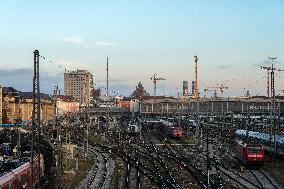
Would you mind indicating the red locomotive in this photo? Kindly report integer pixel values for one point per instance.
(21, 176)
(172, 130)
(176, 132)
(250, 153)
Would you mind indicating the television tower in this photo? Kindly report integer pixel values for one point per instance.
(107, 76)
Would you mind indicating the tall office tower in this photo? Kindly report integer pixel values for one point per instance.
(78, 84)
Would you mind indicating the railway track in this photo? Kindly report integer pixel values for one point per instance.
(146, 160)
(168, 155)
(157, 168)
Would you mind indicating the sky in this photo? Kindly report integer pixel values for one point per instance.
(231, 38)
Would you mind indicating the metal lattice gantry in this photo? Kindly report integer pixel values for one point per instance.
(36, 130)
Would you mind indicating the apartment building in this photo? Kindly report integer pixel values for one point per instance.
(78, 84)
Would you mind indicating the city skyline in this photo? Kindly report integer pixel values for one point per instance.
(231, 39)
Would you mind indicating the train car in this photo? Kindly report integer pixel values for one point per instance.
(176, 132)
(250, 153)
(20, 176)
(263, 138)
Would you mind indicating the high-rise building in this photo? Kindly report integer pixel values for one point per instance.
(78, 84)
(185, 88)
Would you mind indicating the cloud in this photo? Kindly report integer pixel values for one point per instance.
(223, 66)
(105, 43)
(21, 79)
(74, 39)
(15, 72)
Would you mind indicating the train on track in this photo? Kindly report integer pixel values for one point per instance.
(171, 129)
(263, 138)
(250, 153)
(21, 176)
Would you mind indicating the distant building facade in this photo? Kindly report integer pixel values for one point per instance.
(79, 84)
(185, 88)
(206, 106)
(67, 104)
(18, 106)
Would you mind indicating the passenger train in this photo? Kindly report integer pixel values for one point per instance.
(21, 176)
(250, 153)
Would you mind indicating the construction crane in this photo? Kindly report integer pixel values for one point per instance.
(215, 91)
(221, 87)
(195, 92)
(155, 79)
(268, 69)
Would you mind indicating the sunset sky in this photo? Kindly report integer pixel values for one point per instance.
(231, 38)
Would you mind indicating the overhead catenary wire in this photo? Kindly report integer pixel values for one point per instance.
(54, 62)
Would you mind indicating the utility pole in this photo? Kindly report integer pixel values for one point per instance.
(36, 117)
(57, 135)
(107, 76)
(207, 157)
(272, 104)
(17, 119)
(199, 129)
(87, 126)
(196, 94)
(68, 144)
(86, 117)
(55, 93)
(268, 74)
(59, 156)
